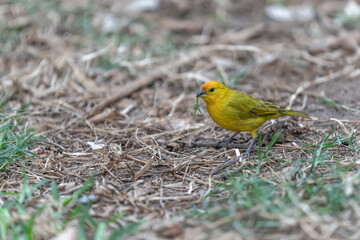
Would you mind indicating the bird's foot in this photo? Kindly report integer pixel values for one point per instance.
(247, 153)
(227, 140)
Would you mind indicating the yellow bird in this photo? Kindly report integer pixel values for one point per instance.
(239, 112)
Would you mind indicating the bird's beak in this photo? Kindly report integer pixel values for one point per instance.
(201, 93)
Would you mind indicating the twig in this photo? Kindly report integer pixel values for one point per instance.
(131, 170)
(55, 144)
(342, 125)
(287, 146)
(190, 178)
(135, 159)
(103, 116)
(85, 81)
(224, 165)
(241, 36)
(229, 173)
(143, 169)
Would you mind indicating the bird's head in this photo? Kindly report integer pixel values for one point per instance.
(212, 91)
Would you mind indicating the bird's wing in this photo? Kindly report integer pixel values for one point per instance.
(249, 107)
(266, 109)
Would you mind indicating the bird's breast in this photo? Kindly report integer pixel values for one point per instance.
(229, 118)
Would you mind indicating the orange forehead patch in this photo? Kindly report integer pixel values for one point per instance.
(210, 84)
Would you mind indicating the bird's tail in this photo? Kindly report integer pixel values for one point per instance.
(298, 114)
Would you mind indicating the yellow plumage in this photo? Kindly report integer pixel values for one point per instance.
(237, 111)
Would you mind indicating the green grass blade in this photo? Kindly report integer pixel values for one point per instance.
(128, 229)
(100, 231)
(259, 145)
(54, 191)
(196, 106)
(222, 79)
(318, 152)
(338, 105)
(14, 139)
(86, 186)
(262, 158)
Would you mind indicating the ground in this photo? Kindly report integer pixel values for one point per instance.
(107, 84)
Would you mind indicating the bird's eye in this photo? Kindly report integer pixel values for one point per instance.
(212, 89)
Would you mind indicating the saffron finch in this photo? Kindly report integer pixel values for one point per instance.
(239, 112)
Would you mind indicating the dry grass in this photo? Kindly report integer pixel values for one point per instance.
(111, 105)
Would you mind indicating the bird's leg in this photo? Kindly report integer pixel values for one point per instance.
(247, 154)
(228, 139)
